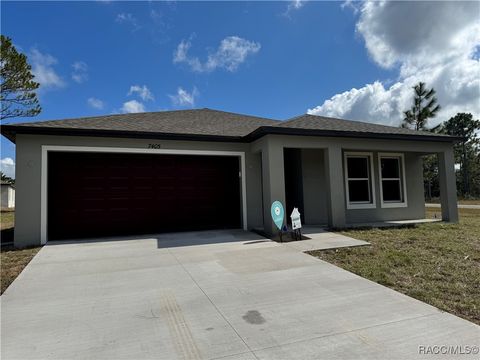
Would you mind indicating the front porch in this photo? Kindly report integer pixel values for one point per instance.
(310, 173)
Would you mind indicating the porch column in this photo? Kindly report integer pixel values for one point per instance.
(335, 187)
(273, 181)
(448, 185)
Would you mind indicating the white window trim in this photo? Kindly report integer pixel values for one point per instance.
(393, 204)
(44, 172)
(354, 205)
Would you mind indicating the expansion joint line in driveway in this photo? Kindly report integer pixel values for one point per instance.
(348, 331)
(213, 304)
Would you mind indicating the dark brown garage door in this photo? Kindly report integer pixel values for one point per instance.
(107, 194)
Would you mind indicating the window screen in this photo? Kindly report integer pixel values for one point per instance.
(357, 167)
(358, 179)
(391, 178)
(358, 191)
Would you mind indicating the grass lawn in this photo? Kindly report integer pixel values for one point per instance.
(436, 263)
(469, 202)
(12, 261)
(460, 201)
(6, 219)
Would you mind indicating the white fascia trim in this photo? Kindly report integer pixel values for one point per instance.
(393, 205)
(356, 206)
(44, 172)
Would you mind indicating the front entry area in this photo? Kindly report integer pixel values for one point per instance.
(92, 194)
(305, 184)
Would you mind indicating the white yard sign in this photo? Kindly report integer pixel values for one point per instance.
(296, 222)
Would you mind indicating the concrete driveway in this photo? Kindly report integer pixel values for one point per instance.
(211, 295)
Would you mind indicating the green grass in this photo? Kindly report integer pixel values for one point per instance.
(13, 261)
(436, 263)
(469, 201)
(7, 219)
(460, 201)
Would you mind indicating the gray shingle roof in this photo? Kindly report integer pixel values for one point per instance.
(215, 125)
(191, 122)
(315, 122)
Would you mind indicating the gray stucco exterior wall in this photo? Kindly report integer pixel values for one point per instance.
(28, 169)
(334, 177)
(415, 195)
(448, 183)
(316, 199)
(323, 177)
(315, 188)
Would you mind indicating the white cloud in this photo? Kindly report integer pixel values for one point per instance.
(294, 5)
(351, 4)
(127, 18)
(440, 52)
(142, 91)
(7, 166)
(185, 98)
(229, 55)
(181, 56)
(133, 106)
(43, 69)
(156, 15)
(373, 103)
(80, 72)
(417, 32)
(95, 103)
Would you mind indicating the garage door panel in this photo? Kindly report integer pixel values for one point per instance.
(104, 194)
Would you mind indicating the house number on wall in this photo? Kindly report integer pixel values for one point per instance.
(154, 146)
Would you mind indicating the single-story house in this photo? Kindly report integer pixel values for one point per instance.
(7, 199)
(206, 169)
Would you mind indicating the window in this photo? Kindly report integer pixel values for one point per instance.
(359, 181)
(392, 180)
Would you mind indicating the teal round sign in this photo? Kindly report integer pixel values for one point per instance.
(278, 214)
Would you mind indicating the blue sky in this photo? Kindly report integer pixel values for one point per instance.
(271, 59)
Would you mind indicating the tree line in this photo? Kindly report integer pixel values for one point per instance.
(466, 151)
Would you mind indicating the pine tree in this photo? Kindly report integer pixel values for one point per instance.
(466, 151)
(424, 107)
(17, 88)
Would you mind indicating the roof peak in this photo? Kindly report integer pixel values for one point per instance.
(141, 114)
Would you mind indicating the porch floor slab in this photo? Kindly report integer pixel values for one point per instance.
(396, 223)
(321, 239)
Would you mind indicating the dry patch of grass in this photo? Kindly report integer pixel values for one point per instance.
(469, 202)
(13, 261)
(460, 201)
(436, 263)
(7, 219)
